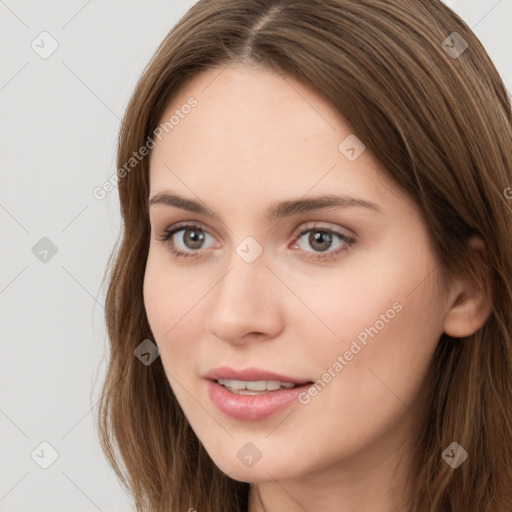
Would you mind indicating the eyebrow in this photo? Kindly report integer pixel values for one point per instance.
(275, 211)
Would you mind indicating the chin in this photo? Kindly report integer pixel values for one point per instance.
(265, 469)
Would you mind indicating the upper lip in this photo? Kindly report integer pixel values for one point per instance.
(250, 374)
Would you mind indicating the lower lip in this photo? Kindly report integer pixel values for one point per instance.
(252, 407)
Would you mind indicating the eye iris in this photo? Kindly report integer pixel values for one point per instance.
(320, 237)
(193, 238)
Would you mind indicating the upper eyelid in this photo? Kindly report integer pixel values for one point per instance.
(178, 226)
(298, 231)
(315, 224)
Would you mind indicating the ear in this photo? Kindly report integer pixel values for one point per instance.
(470, 301)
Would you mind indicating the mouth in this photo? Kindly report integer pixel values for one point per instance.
(255, 387)
(252, 395)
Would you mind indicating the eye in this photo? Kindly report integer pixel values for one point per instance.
(187, 244)
(322, 239)
(192, 240)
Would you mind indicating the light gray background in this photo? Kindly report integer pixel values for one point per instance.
(59, 122)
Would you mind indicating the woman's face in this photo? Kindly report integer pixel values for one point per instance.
(276, 288)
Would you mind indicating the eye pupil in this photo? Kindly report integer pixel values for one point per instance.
(193, 238)
(317, 237)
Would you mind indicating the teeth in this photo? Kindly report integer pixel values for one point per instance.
(255, 385)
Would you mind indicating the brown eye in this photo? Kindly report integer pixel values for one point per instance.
(193, 238)
(185, 240)
(320, 240)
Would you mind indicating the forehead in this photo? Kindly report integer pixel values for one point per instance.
(253, 134)
(250, 110)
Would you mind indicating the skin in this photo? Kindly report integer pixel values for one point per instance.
(256, 137)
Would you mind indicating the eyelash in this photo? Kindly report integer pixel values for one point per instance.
(348, 241)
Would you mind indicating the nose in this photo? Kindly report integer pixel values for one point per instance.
(245, 303)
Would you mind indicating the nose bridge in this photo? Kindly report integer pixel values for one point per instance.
(246, 273)
(243, 302)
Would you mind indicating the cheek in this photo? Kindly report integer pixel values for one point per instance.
(174, 303)
(366, 299)
(388, 321)
(169, 294)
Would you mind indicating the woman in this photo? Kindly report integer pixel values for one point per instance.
(310, 308)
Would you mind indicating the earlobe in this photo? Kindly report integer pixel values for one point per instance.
(471, 304)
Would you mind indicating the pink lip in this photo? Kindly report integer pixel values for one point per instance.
(251, 407)
(225, 372)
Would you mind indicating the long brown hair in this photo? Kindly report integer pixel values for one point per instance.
(437, 116)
